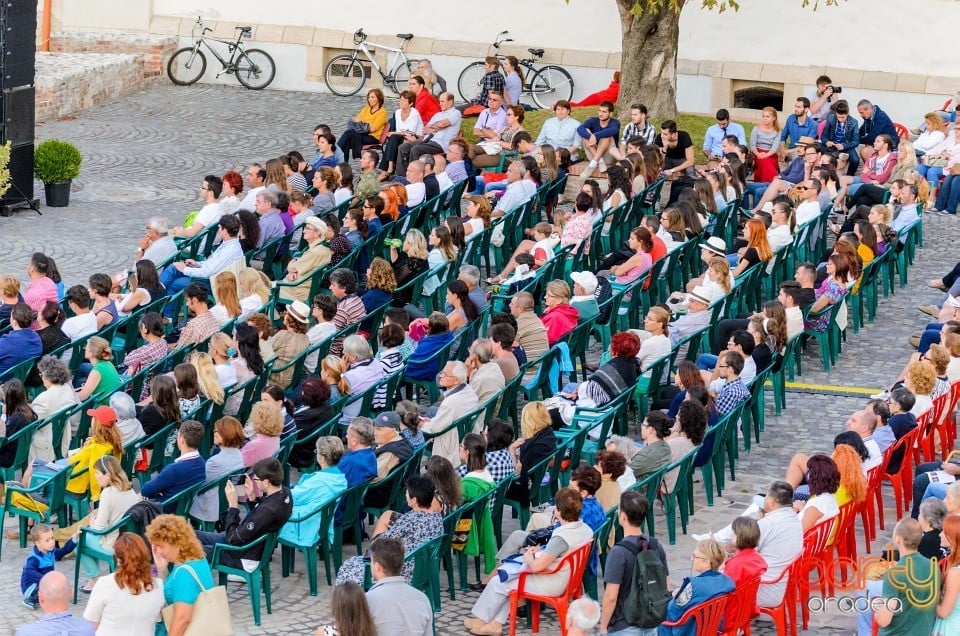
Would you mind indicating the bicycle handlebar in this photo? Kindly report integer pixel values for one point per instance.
(359, 36)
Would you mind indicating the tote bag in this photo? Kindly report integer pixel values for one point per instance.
(211, 612)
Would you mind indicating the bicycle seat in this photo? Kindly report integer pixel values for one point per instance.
(245, 29)
(405, 36)
(536, 52)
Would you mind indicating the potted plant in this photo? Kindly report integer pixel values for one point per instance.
(57, 164)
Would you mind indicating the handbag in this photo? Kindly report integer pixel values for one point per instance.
(930, 161)
(359, 127)
(491, 147)
(211, 611)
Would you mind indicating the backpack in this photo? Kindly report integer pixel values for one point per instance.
(647, 597)
(602, 293)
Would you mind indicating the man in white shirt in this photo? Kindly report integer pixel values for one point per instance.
(437, 134)
(560, 131)
(156, 245)
(809, 208)
(780, 232)
(396, 607)
(256, 176)
(210, 213)
(83, 322)
(518, 192)
(416, 190)
(789, 297)
(781, 540)
(177, 276)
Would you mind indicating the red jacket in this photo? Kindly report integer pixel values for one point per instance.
(427, 105)
(741, 567)
(870, 173)
(559, 321)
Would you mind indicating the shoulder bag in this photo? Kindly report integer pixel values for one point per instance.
(211, 612)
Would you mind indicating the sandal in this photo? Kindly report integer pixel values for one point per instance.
(494, 280)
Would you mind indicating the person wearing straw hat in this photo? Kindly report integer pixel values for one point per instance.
(712, 247)
(316, 255)
(290, 341)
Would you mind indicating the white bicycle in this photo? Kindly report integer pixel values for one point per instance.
(346, 74)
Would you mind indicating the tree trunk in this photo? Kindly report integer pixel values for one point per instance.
(648, 66)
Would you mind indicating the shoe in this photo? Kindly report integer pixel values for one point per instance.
(882, 395)
(85, 590)
(702, 537)
(915, 342)
(936, 283)
(29, 604)
(931, 209)
(13, 535)
(236, 578)
(476, 587)
(931, 310)
(592, 165)
(493, 628)
(942, 213)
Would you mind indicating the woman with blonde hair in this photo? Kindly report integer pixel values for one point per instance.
(104, 440)
(254, 292)
(718, 277)
(266, 422)
(207, 378)
(764, 143)
(408, 262)
(287, 344)
(174, 543)
(220, 348)
(757, 249)
(442, 251)
(332, 370)
(920, 378)
(536, 442)
(276, 176)
(103, 378)
(228, 301)
(478, 216)
(116, 498)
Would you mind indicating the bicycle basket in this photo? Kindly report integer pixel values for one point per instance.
(359, 36)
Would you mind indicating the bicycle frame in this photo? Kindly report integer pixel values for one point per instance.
(233, 46)
(399, 57)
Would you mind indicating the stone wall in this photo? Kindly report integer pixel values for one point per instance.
(84, 69)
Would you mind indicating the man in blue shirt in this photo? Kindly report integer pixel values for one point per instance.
(187, 470)
(597, 135)
(56, 620)
(797, 171)
(22, 343)
(712, 140)
(875, 122)
(799, 124)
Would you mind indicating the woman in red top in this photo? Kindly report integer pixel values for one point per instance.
(560, 317)
(743, 566)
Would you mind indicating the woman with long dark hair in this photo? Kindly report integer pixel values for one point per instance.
(464, 311)
(18, 414)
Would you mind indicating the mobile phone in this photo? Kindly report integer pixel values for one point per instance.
(236, 480)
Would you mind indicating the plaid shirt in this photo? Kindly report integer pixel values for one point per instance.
(730, 396)
(499, 465)
(492, 81)
(198, 329)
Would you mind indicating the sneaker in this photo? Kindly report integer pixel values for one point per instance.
(236, 578)
(930, 310)
(29, 604)
(592, 164)
(882, 395)
(941, 213)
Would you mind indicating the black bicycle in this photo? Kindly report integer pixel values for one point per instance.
(545, 85)
(254, 68)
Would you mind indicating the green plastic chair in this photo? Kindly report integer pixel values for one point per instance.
(778, 378)
(156, 444)
(86, 546)
(22, 438)
(497, 504)
(679, 499)
(475, 510)
(647, 389)
(51, 486)
(257, 581)
(395, 481)
(535, 475)
(288, 549)
(755, 412)
(217, 486)
(649, 486)
(829, 339)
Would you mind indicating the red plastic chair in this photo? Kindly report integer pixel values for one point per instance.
(872, 508)
(576, 562)
(928, 439)
(902, 131)
(740, 608)
(707, 615)
(946, 426)
(902, 480)
(925, 438)
(784, 615)
(383, 139)
(844, 542)
(815, 542)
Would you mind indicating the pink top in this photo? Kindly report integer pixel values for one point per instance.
(260, 447)
(39, 291)
(576, 231)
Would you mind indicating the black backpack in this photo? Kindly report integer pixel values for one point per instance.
(647, 597)
(602, 293)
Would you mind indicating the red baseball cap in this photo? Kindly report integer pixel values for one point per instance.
(103, 414)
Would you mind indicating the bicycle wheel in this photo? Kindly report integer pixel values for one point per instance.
(471, 78)
(186, 66)
(398, 82)
(345, 75)
(255, 69)
(550, 85)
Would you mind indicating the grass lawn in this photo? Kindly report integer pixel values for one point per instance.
(696, 125)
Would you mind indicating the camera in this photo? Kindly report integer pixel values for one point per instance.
(393, 242)
(836, 89)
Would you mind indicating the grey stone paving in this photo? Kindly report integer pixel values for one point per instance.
(146, 154)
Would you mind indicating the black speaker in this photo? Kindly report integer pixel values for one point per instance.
(17, 110)
(18, 32)
(21, 173)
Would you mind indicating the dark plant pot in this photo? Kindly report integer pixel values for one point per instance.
(57, 194)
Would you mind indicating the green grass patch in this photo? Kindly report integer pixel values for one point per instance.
(695, 125)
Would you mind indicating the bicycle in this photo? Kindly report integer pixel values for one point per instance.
(545, 85)
(254, 68)
(346, 73)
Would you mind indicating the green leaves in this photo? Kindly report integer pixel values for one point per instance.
(56, 161)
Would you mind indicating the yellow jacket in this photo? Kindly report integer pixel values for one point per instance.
(86, 457)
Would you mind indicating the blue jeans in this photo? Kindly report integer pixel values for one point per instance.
(931, 173)
(931, 335)
(865, 619)
(949, 196)
(756, 190)
(635, 631)
(707, 361)
(852, 189)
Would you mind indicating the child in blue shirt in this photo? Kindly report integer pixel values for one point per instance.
(40, 561)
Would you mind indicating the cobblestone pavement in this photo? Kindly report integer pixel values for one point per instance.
(146, 154)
